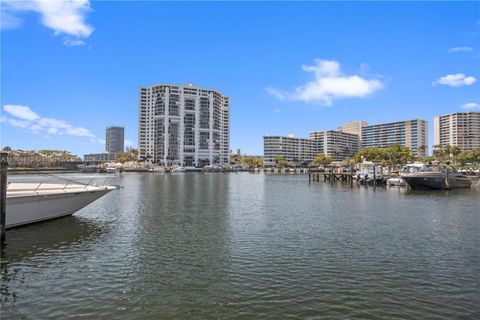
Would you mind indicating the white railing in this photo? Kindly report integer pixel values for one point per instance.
(53, 179)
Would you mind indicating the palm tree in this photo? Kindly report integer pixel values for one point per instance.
(422, 149)
(454, 152)
(321, 159)
(279, 161)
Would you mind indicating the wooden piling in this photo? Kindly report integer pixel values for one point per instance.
(3, 195)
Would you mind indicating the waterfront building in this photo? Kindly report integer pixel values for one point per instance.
(336, 144)
(354, 127)
(115, 139)
(291, 148)
(409, 133)
(461, 129)
(99, 157)
(183, 124)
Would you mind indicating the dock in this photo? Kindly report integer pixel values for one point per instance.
(318, 175)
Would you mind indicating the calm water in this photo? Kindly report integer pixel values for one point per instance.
(246, 246)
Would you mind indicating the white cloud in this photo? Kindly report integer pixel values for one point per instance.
(18, 123)
(329, 84)
(63, 17)
(460, 49)
(456, 80)
(471, 106)
(101, 141)
(21, 112)
(128, 143)
(73, 42)
(24, 117)
(280, 95)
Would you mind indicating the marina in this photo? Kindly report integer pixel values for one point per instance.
(201, 245)
(239, 160)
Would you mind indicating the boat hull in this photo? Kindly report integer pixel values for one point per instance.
(397, 182)
(29, 209)
(437, 182)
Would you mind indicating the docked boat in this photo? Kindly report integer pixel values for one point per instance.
(34, 202)
(178, 169)
(397, 182)
(112, 168)
(158, 169)
(368, 175)
(437, 177)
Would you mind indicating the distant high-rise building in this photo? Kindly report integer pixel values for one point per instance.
(183, 124)
(291, 148)
(410, 133)
(461, 129)
(335, 144)
(114, 139)
(332, 143)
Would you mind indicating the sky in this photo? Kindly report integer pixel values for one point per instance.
(70, 69)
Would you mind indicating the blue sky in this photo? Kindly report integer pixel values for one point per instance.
(289, 68)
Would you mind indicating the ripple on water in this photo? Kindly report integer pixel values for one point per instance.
(247, 246)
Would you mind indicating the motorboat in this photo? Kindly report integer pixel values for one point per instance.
(178, 169)
(368, 175)
(34, 202)
(397, 181)
(112, 168)
(408, 168)
(437, 177)
(413, 167)
(158, 169)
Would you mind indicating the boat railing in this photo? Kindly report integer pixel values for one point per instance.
(93, 182)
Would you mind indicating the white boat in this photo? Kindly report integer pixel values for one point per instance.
(178, 169)
(111, 170)
(34, 202)
(399, 182)
(158, 169)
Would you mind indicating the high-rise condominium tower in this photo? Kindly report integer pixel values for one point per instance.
(461, 129)
(409, 133)
(183, 124)
(114, 139)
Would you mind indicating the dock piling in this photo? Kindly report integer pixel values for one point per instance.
(3, 194)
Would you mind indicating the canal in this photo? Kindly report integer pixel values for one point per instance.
(249, 246)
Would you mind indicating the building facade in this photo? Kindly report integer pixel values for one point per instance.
(291, 148)
(354, 127)
(335, 144)
(184, 125)
(114, 139)
(99, 157)
(461, 129)
(409, 133)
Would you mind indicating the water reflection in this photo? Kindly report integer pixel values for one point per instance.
(28, 241)
(47, 238)
(246, 245)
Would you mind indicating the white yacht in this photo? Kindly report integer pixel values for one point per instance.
(34, 202)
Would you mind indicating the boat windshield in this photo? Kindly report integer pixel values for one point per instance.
(437, 168)
(412, 168)
(431, 169)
